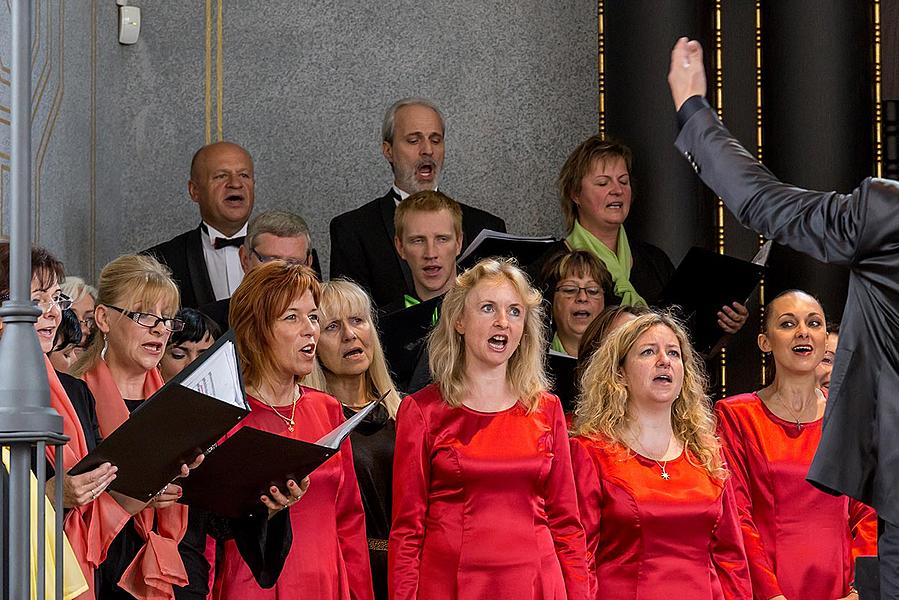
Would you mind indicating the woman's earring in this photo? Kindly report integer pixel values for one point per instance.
(105, 347)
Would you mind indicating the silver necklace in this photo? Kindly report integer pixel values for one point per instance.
(662, 465)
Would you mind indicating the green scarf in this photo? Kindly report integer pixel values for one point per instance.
(411, 301)
(557, 345)
(619, 265)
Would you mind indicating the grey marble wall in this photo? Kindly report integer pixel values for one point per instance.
(302, 85)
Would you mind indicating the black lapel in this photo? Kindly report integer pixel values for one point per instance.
(196, 267)
(387, 204)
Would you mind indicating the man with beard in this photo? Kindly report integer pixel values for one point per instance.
(204, 261)
(362, 246)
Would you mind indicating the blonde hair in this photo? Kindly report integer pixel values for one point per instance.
(342, 298)
(77, 288)
(602, 410)
(427, 201)
(263, 296)
(525, 371)
(125, 282)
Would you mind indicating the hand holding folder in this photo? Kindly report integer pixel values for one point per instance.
(243, 467)
(181, 420)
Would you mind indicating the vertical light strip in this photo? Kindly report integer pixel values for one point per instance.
(758, 153)
(602, 67)
(208, 86)
(719, 213)
(878, 107)
(218, 73)
(93, 134)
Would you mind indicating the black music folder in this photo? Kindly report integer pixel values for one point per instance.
(242, 468)
(562, 370)
(404, 335)
(180, 421)
(525, 249)
(703, 283)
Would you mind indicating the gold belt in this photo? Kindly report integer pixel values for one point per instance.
(376, 544)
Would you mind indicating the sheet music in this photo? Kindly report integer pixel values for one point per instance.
(217, 377)
(336, 436)
(498, 235)
(761, 257)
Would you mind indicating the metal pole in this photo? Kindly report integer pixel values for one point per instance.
(24, 392)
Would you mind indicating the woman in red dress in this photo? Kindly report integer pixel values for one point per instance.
(655, 500)
(274, 315)
(484, 504)
(801, 542)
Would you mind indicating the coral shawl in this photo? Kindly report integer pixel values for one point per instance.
(157, 566)
(329, 556)
(654, 539)
(801, 542)
(90, 528)
(484, 504)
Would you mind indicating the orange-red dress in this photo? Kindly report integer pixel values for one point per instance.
(484, 504)
(801, 542)
(329, 556)
(649, 538)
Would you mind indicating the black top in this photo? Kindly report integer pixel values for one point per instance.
(373, 443)
(362, 246)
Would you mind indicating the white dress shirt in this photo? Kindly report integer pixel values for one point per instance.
(223, 265)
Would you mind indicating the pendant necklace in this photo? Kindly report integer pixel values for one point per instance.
(662, 465)
(289, 421)
(796, 417)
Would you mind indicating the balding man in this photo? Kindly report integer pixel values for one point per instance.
(205, 261)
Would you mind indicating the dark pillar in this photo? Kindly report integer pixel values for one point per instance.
(817, 117)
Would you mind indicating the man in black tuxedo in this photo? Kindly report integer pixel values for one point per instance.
(204, 261)
(272, 235)
(362, 245)
(858, 454)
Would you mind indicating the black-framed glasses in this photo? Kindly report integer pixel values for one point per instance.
(149, 320)
(571, 291)
(267, 259)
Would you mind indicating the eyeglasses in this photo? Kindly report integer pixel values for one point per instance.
(58, 300)
(149, 320)
(87, 322)
(267, 259)
(570, 291)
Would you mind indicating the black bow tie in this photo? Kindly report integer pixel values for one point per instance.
(219, 243)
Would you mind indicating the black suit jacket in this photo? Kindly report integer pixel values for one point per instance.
(362, 246)
(183, 254)
(859, 450)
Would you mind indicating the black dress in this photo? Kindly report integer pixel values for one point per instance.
(373, 443)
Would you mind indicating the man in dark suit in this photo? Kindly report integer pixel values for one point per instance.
(859, 450)
(362, 239)
(272, 235)
(204, 261)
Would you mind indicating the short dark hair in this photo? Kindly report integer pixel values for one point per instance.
(196, 326)
(68, 332)
(44, 266)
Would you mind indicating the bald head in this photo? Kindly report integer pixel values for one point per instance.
(222, 183)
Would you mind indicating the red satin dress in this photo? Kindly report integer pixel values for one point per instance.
(801, 542)
(329, 556)
(484, 504)
(654, 539)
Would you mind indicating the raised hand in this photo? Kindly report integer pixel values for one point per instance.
(686, 76)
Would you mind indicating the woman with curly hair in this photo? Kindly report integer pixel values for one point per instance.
(654, 498)
(484, 504)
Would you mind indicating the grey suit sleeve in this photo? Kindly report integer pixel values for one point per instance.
(827, 226)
